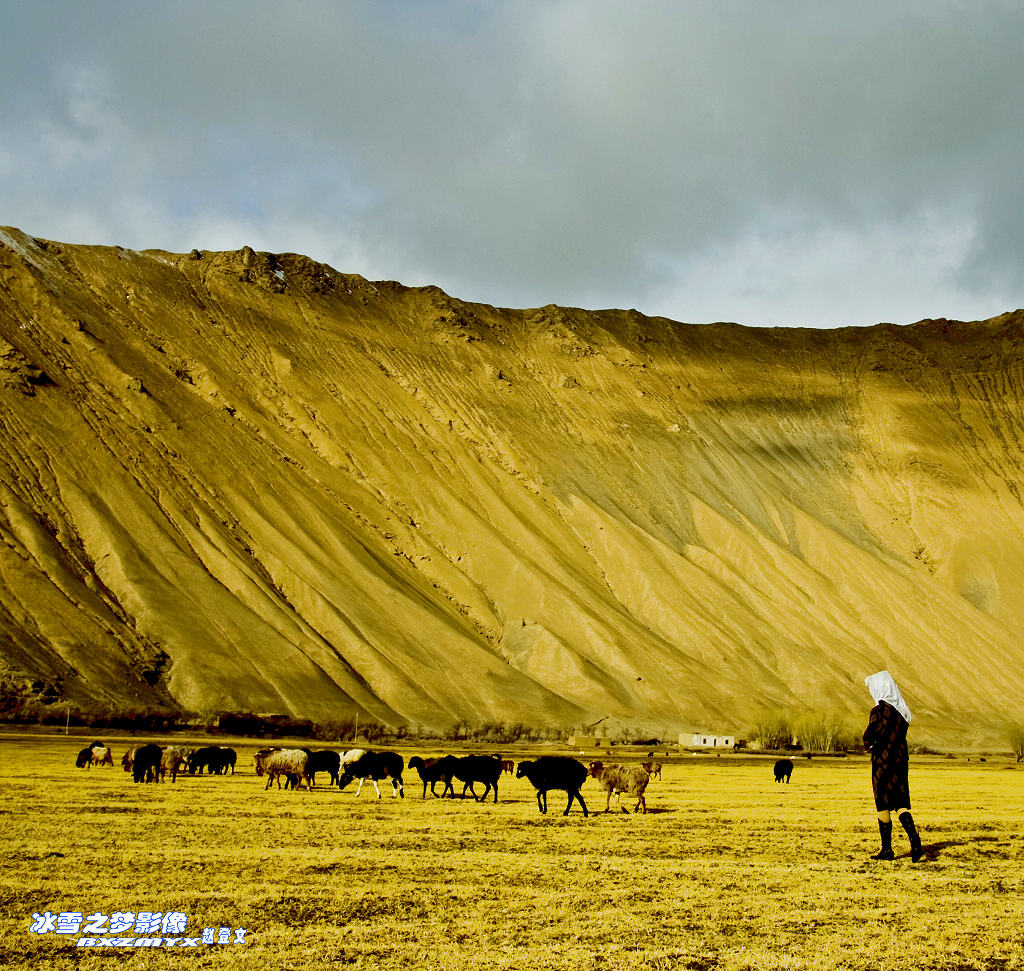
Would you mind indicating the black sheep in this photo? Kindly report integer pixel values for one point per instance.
(478, 768)
(84, 758)
(146, 767)
(375, 766)
(434, 771)
(783, 770)
(323, 760)
(210, 758)
(230, 756)
(555, 772)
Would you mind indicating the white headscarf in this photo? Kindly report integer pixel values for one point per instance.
(883, 688)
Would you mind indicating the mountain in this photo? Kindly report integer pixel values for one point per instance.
(247, 481)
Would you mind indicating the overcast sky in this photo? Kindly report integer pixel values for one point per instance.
(801, 163)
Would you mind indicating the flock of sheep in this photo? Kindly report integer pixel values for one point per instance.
(152, 763)
(549, 772)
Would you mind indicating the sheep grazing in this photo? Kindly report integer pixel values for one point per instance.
(783, 770)
(347, 757)
(323, 760)
(260, 759)
(200, 760)
(128, 759)
(478, 768)
(214, 758)
(375, 766)
(622, 778)
(434, 771)
(230, 756)
(350, 756)
(95, 754)
(653, 769)
(146, 764)
(507, 765)
(555, 772)
(219, 760)
(173, 760)
(98, 747)
(292, 763)
(101, 755)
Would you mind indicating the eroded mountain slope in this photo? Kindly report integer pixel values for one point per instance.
(247, 481)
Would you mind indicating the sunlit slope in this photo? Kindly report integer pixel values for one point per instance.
(245, 481)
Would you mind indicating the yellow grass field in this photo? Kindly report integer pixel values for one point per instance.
(728, 870)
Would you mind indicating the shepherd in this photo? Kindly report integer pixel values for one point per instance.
(886, 739)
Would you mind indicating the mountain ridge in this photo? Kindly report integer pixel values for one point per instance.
(248, 481)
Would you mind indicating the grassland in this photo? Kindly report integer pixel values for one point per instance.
(729, 870)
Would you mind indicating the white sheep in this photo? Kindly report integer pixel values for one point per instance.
(172, 759)
(622, 778)
(292, 763)
(347, 758)
(260, 759)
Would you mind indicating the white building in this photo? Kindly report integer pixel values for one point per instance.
(706, 740)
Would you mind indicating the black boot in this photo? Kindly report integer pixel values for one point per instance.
(916, 850)
(885, 853)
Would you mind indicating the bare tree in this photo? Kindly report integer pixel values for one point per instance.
(1015, 736)
(773, 730)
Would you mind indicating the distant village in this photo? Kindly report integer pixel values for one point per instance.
(687, 739)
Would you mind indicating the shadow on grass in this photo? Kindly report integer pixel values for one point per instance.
(616, 813)
(932, 851)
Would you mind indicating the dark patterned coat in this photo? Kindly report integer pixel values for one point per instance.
(886, 738)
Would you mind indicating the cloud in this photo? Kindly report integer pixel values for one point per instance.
(802, 163)
(769, 276)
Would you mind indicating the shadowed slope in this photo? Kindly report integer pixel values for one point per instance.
(239, 480)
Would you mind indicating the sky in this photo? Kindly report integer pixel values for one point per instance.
(818, 163)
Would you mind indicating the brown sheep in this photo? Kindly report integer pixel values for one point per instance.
(101, 756)
(653, 768)
(622, 778)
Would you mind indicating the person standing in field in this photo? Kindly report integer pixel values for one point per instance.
(886, 739)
